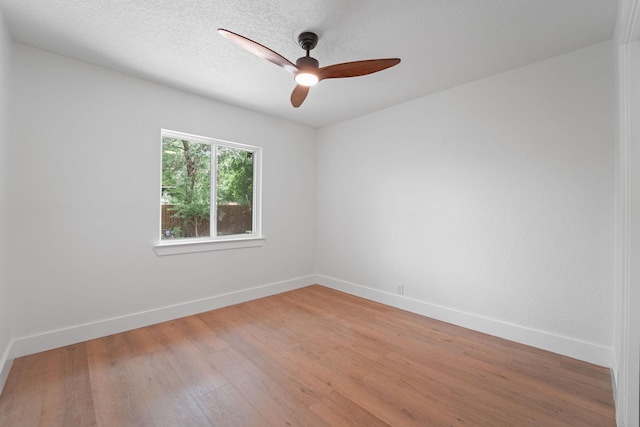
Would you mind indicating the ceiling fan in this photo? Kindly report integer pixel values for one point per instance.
(307, 71)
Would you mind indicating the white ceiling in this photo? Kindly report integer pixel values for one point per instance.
(442, 44)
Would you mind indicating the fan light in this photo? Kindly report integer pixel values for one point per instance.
(306, 79)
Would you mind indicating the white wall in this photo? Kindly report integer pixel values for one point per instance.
(626, 334)
(87, 171)
(5, 323)
(493, 203)
(633, 357)
(634, 297)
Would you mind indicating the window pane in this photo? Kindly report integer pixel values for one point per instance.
(235, 191)
(186, 188)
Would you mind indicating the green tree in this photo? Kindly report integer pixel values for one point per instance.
(186, 183)
(186, 171)
(235, 176)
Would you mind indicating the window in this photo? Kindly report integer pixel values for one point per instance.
(210, 197)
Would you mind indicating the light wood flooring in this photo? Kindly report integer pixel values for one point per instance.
(309, 357)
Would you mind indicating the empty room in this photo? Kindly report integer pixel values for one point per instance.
(425, 214)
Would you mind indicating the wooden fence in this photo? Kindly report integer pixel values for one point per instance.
(232, 219)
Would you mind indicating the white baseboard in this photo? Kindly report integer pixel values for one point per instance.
(588, 352)
(5, 366)
(58, 338)
(566, 346)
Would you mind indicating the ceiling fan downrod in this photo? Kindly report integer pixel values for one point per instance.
(307, 41)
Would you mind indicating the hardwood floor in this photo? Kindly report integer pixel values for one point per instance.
(309, 357)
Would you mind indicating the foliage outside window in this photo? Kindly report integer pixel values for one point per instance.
(198, 170)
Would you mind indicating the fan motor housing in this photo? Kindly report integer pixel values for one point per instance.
(307, 61)
(308, 40)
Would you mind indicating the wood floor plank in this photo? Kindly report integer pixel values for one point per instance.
(455, 379)
(348, 376)
(202, 336)
(131, 343)
(116, 395)
(268, 331)
(339, 411)
(269, 398)
(197, 373)
(379, 402)
(21, 399)
(134, 383)
(225, 407)
(67, 398)
(309, 357)
(166, 397)
(272, 360)
(455, 404)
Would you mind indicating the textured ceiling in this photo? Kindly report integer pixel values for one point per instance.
(442, 44)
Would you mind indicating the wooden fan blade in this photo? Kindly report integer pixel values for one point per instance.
(298, 95)
(356, 68)
(260, 50)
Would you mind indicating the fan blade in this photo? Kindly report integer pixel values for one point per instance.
(356, 68)
(260, 50)
(298, 95)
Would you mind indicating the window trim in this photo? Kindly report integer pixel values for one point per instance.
(202, 245)
(215, 243)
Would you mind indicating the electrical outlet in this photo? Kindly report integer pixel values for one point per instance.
(400, 289)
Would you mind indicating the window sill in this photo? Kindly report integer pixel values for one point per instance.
(191, 246)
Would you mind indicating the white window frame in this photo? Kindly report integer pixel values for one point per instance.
(214, 242)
